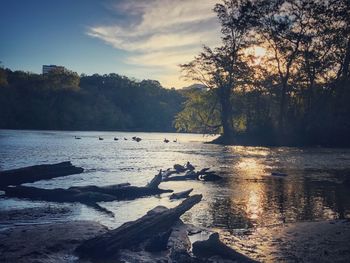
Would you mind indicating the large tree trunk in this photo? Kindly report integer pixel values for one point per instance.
(346, 62)
(133, 233)
(282, 106)
(226, 115)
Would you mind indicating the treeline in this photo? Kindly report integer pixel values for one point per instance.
(280, 77)
(63, 100)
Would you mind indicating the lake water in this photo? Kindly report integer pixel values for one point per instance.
(247, 197)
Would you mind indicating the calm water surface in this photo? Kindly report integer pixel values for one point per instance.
(247, 198)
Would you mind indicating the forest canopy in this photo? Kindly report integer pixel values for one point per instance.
(280, 76)
(63, 100)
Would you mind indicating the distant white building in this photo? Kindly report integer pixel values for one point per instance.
(48, 68)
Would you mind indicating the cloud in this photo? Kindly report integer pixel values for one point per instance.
(160, 34)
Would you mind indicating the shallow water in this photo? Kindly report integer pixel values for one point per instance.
(248, 196)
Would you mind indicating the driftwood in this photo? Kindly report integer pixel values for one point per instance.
(179, 195)
(88, 195)
(213, 247)
(155, 181)
(132, 234)
(37, 172)
(190, 175)
(84, 194)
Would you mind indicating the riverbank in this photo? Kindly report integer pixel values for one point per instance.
(324, 241)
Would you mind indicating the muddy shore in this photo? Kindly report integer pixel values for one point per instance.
(324, 241)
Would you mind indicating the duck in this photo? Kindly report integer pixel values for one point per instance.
(175, 140)
(125, 139)
(77, 138)
(100, 138)
(189, 166)
(116, 139)
(179, 168)
(278, 174)
(166, 140)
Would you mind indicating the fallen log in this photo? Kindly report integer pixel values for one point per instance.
(92, 194)
(156, 180)
(132, 234)
(190, 175)
(179, 195)
(35, 173)
(88, 195)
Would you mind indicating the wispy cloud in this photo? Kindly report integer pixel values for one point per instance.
(160, 34)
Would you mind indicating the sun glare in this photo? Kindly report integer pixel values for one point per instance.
(256, 53)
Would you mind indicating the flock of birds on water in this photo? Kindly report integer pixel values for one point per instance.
(138, 139)
(135, 138)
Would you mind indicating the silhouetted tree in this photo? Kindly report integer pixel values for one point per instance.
(224, 67)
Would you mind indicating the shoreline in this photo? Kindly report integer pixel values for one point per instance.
(314, 241)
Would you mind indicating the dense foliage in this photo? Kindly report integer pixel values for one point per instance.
(296, 92)
(63, 100)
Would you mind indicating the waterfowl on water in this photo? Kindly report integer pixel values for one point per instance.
(175, 140)
(116, 139)
(100, 138)
(278, 174)
(179, 168)
(166, 140)
(137, 139)
(189, 166)
(125, 139)
(77, 138)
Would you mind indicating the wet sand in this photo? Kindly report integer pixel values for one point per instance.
(325, 241)
(52, 243)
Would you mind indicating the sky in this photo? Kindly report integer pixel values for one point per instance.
(142, 39)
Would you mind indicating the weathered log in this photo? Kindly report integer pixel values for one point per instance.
(180, 195)
(159, 242)
(75, 194)
(133, 233)
(190, 175)
(37, 172)
(88, 195)
(57, 195)
(155, 181)
(214, 247)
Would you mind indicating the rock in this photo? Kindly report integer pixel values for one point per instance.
(213, 247)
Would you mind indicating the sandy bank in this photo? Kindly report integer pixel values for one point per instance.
(46, 243)
(326, 241)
